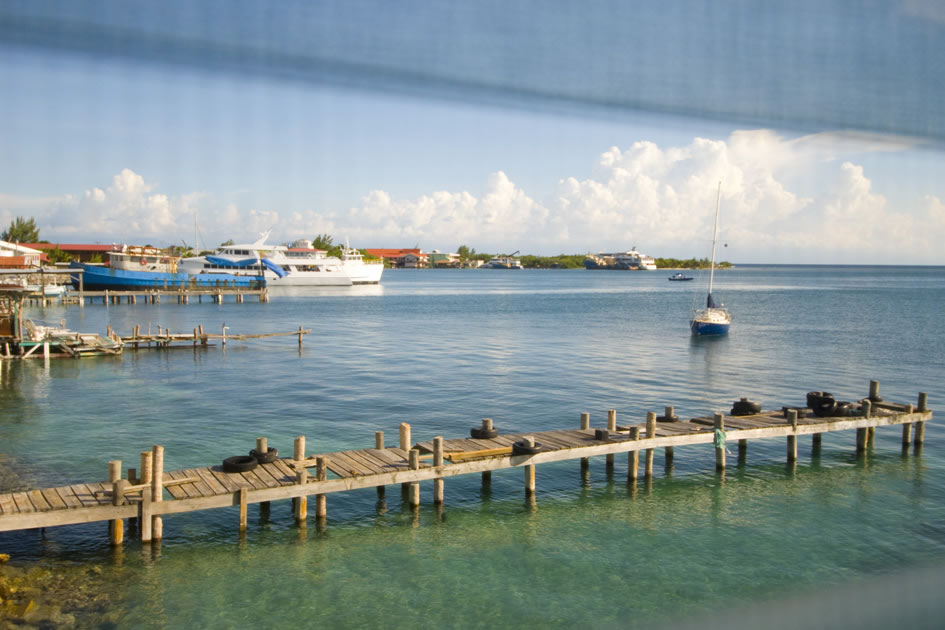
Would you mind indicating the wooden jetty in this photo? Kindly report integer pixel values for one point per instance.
(150, 493)
(165, 338)
(153, 296)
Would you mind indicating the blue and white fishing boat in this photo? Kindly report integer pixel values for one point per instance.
(714, 319)
(132, 268)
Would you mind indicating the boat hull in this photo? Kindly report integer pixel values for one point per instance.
(701, 329)
(97, 278)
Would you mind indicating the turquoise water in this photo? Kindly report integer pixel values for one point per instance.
(532, 350)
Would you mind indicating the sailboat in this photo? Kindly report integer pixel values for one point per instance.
(713, 319)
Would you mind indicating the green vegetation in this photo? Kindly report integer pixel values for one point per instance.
(689, 263)
(561, 261)
(56, 255)
(21, 231)
(227, 243)
(322, 241)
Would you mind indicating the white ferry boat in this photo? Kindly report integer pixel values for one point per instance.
(281, 265)
(624, 261)
(503, 262)
(359, 270)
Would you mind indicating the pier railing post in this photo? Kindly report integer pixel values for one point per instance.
(244, 517)
(650, 434)
(157, 489)
(719, 424)
(611, 429)
(438, 490)
(585, 426)
(118, 498)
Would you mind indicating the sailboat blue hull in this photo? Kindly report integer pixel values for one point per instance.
(709, 328)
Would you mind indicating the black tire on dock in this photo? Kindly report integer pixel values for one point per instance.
(483, 434)
(522, 448)
(239, 463)
(268, 457)
(802, 412)
(602, 434)
(815, 398)
(667, 418)
(745, 407)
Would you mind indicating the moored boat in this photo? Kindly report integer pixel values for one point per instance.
(503, 262)
(621, 261)
(280, 265)
(714, 319)
(100, 278)
(679, 277)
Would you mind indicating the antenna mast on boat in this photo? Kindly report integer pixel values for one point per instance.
(715, 233)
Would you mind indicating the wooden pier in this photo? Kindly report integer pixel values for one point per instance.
(215, 295)
(150, 493)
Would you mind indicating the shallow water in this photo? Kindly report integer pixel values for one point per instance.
(532, 350)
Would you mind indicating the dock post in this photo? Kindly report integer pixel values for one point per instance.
(118, 498)
(300, 337)
(668, 412)
(742, 451)
(486, 474)
(300, 503)
(585, 426)
(650, 434)
(867, 406)
(321, 474)
(243, 495)
(791, 439)
(862, 433)
(114, 475)
(633, 457)
(379, 445)
(719, 423)
(405, 447)
(529, 469)
(920, 426)
(874, 391)
(262, 446)
(438, 463)
(157, 489)
(611, 429)
(413, 498)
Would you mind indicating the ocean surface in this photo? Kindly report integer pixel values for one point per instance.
(532, 350)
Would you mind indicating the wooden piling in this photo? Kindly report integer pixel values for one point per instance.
(529, 469)
(668, 412)
(114, 475)
(301, 332)
(413, 495)
(300, 510)
(321, 474)
(243, 496)
(405, 446)
(611, 429)
(585, 426)
(379, 445)
(862, 434)
(650, 434)
(157, 489)
(633, 457)
(118, 498)
(791, 439)
(874, 390)
(718, 421)
(920, 426)
(438, 463)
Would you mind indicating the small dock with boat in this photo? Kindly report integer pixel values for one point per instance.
(149, 493)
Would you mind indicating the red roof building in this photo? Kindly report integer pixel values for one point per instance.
(408, 258)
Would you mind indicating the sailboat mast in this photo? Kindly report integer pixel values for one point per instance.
(715, 233)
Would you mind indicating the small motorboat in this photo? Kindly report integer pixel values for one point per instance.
(679, 277)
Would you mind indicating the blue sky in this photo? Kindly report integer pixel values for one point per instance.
(106, 151)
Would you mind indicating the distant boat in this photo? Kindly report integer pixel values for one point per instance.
(621, 261)
(679, 277)
(504, 262)
(714, 319)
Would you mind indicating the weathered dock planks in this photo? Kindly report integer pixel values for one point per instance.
(162, 492)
